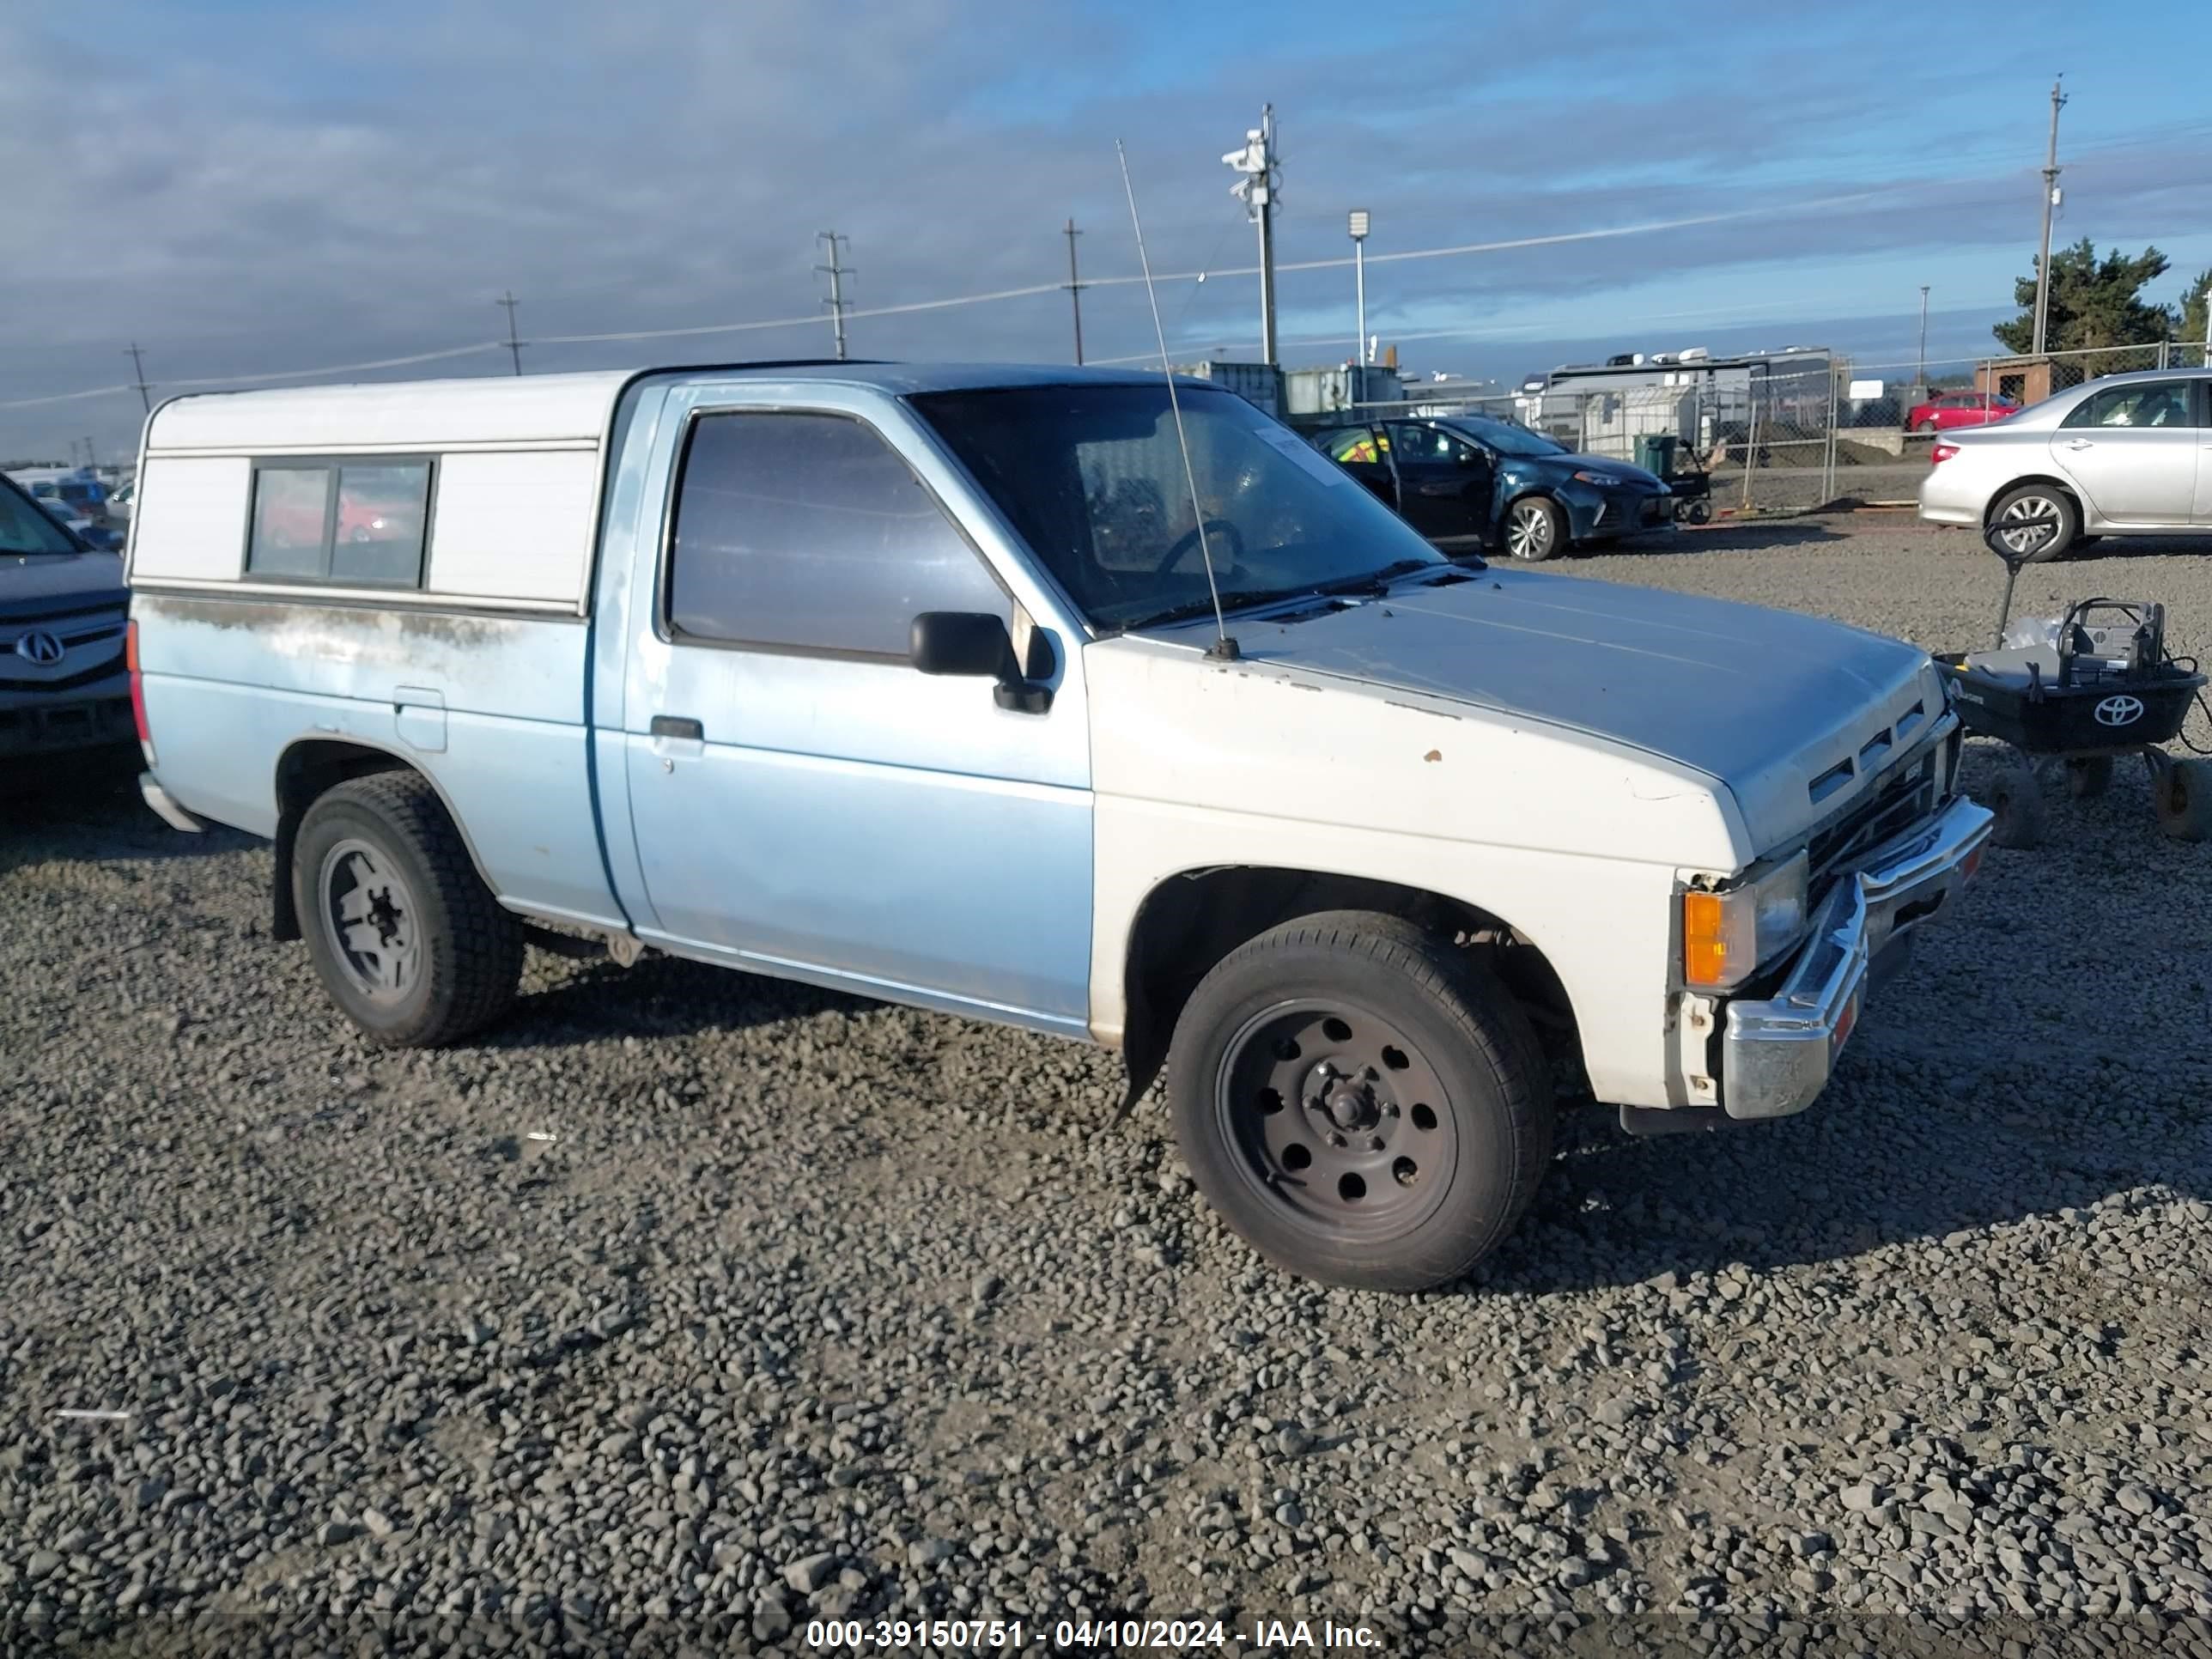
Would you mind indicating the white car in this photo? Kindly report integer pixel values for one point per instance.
(2129, 454)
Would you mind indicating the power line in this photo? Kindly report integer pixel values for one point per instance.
(138, 367)
(837, 273)
(513, 345)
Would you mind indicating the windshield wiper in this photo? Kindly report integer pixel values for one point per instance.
(1377, 581)
(1230, 601)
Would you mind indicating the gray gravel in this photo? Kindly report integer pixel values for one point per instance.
(692, 1307)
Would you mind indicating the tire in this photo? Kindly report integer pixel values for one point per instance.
(2032, 502)
(2182, 797)
(1929, 428)
(1698, 512)
(430, 956)
(1534, 528)
(2016, 799)
(2089, 776)
(1440, 1107)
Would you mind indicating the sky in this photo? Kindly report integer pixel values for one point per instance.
(253, 187)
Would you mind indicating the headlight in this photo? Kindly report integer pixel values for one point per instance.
(1603, 480)
(1726, 935)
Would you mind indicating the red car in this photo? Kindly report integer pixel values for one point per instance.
(1951, 409)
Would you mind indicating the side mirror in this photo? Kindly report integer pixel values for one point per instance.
(969, 643)
(975, 645)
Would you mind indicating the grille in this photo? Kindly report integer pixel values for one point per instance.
(1901, 799)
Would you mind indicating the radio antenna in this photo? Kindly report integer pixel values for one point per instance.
(1223, 648)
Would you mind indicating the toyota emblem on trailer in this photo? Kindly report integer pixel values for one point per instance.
(39, 646)
(2119, 711)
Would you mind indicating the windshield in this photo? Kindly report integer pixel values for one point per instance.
(1091, 477)
(1508, 439)
(26, 527)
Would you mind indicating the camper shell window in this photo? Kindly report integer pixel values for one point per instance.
(359, 521)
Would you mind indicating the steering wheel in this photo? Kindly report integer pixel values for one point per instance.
(1188, 539)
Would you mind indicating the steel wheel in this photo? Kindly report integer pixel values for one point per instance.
(1531, 530)
(1337, 1119)
(2036, 521)
(372, 919)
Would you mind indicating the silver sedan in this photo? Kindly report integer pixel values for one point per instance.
(2129, 454)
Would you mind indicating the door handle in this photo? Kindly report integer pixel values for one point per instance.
(678, 726)
(2081, 443)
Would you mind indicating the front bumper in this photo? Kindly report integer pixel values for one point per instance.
(46, 726)
(1776, 1054)
(1593, 513)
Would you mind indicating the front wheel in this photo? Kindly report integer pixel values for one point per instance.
(1534, 528)
(1360, 1101)
(403, 933)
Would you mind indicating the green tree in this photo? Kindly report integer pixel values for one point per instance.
(2193, 301)
(2094, 302)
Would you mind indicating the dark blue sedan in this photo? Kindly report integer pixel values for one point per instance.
(1469, 481)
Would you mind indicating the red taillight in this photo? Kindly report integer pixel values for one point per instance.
(1940, 454)
(137, 688)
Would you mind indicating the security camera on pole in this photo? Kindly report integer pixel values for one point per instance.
(1256, 189)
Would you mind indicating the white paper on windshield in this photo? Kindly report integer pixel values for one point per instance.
(1305, 455)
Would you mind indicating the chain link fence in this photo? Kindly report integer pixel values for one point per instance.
(1788, 437)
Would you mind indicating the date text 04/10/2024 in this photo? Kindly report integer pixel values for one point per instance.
(1087, 1635)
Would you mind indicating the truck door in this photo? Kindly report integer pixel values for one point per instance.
(2134, 449)
(1444, 482)
(802, 799)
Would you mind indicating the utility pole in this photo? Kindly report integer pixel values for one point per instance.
(1075, 290)
(838, 271)
(513, 344)
(1256, 189)
(1920, 375)
(2050, 201)
(138, 367)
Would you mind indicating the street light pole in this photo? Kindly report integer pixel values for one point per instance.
(1359, 227)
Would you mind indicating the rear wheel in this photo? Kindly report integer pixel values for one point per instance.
(2089, 776)
(1360, 1101)
(2035, 523)
(1926, 426)
(404, 935)
(1534, 528)
(2182, 796)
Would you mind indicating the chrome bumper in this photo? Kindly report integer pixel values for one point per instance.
(163, 803)
(1776, 1054)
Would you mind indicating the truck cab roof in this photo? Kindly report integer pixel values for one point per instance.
(536, 407)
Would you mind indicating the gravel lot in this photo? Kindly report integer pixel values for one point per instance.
(692, 1307)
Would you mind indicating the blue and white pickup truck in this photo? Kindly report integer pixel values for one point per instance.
(908, 681)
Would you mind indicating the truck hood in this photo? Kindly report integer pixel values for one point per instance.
(1765, 702)
(32, 586)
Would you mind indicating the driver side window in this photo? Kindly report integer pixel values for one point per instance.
(1428, 443)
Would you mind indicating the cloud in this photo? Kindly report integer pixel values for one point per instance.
(259, 186)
